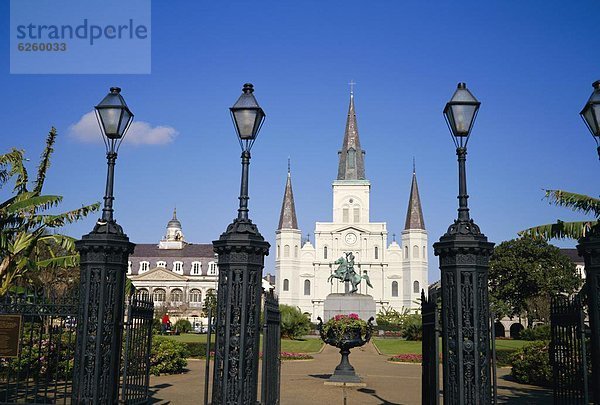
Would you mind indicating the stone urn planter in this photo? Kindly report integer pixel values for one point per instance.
(345, 332)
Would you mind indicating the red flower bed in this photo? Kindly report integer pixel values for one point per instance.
(407, 358)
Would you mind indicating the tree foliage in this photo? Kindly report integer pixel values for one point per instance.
(26, 242)
(567, 230)
(294, 324)
(525, 272)
(210, 302)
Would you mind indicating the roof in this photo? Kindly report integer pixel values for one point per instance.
(352, 160)
(414, 214)
(174, 222)
(287, 218)
(159, 274)
(189, 250)
(572, 254)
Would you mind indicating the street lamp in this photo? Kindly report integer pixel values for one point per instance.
(104, 254)
(464, 263)
(241, 250)
(589, 248)
(591, 114)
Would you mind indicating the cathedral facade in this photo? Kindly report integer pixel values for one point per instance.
(397, 270)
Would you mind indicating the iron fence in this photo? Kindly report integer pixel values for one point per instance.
(41, 373)
(430, 386)
(136, 352)
(568, 354)
(271, 362)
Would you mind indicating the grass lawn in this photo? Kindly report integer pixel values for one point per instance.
(399, 346)
(308, 345)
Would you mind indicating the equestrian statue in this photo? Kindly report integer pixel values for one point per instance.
(345, 272)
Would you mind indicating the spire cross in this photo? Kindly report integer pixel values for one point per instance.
(289, 164)
(414, 169)
(394, 237)
(352, 83)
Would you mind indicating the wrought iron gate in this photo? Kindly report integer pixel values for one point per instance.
(42, 371)
(136, 352)
(568, 354)
(430, 387)
(271, 363)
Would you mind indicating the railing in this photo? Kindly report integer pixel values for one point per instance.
(271, 365)
(568, 354)
(430, 387)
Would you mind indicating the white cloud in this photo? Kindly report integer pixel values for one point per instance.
(140, 132)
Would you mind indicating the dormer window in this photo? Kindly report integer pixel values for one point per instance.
(161, 263)
(196, 268)
(129, 267)
(144, 267)
(212, 269)
(178, 267)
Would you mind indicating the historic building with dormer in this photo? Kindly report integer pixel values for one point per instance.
(397, 270)
(175, 273)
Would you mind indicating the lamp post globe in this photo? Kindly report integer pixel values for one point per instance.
(464, 263)
(247, 117)
(591, 114)
(104, 255)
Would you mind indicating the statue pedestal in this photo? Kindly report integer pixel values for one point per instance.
(344, 304)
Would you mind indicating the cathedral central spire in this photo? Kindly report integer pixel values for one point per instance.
(414, 214)
(287, 218)
(352, 160)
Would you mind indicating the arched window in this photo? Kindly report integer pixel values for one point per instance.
(212, 269)
(195, 295)
(159, 295)
(144, 267)
(424, 252)
(415, 252)
(324, 252)
(416, 288)
(177, 295)
(161, 263)
(376, 253)
(196, 268)
(346, 215)
(406, 252)
(296, 251)
(286, 284)
(286, 251)
(306, 287)
(143, 293)
(351, 158)
(278, 252)
(394, 288)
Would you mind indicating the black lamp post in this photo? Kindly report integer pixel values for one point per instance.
(589, 248)
(241, 250)
(104, 256)
(464, 256)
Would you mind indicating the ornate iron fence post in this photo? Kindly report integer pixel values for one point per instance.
(104, 260)
(241, 251)
(589, 248)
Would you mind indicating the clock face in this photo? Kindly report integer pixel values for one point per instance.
(351, 238)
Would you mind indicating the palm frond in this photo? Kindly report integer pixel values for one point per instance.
(577, 202)
(59, 262)
(34, 203)
(12, 164)
(45, 161)
(55, 221)
(65, 242)
(559, 230)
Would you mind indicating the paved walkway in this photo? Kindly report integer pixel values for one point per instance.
(302, 382)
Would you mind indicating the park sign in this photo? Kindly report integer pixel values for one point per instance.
(10, 333)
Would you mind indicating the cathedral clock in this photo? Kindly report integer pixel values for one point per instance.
(351, 238)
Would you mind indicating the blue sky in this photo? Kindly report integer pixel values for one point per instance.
(531, 64)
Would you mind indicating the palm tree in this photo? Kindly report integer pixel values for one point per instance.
(26, 241)
(567, 230)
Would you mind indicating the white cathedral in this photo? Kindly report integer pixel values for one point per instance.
(397, 272)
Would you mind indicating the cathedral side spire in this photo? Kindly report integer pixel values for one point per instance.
(352, 161)
(287, 218)
(414, 214)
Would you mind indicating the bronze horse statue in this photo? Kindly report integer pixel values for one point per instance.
(345, 272)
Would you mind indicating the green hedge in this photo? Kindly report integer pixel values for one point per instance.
(167, 356)
(531, 364)
(196, 349)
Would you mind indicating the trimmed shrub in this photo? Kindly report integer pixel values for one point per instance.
(531, 364)
(167, 356)
(294, 324)
(183, 326)
(196, 349)
(539, 332)
(294, 356)
(413, 327)
(504, 356)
